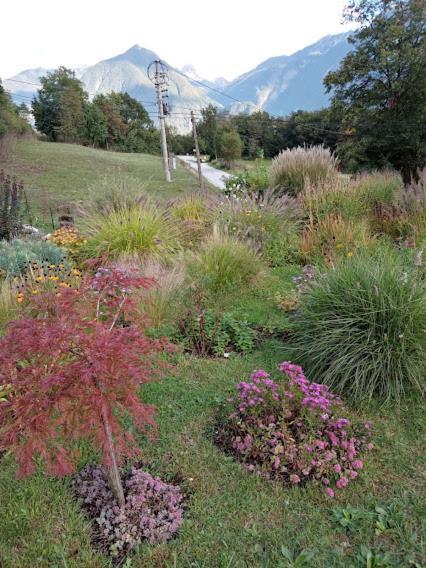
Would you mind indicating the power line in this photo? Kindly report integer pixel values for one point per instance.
(23, 82)
(216, 90)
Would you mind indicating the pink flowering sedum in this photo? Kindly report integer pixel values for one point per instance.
(294, 431)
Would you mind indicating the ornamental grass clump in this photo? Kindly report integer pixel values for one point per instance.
(193, 217)
(152, 512)
(294, 431)
(339, 196)
(260, 221)
(292, 168)
(333, 238)
(134, 230)
(222, 264)
(378, 187)
(360, 328)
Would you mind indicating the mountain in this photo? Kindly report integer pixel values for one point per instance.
(279, 85)
(128, 72)
(218, 83)
(287, 83)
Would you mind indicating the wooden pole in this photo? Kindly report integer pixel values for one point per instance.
(161, 116)
(197, 152)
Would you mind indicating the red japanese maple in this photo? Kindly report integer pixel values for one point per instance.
(75, 370)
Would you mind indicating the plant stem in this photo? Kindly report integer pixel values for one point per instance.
(112, 472)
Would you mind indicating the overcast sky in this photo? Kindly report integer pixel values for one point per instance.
(219, 37)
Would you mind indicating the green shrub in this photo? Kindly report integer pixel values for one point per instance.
(248, 182)
(210, 333)
(139, 230)
(223, 263)
(291, 169)
(15, 255)
(361, 327)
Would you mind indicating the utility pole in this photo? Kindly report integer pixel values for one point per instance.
(197, 151)
(160, 82)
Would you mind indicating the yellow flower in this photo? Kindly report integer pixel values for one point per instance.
(350, 253)
(34, 292)
(64, 285)
(54, 278)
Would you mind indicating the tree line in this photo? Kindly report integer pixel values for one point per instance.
(63, 113)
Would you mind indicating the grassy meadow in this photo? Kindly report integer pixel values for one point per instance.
(57, 175)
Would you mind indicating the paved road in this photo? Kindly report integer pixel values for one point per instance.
(213, 175)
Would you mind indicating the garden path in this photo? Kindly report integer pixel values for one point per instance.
(212, 175)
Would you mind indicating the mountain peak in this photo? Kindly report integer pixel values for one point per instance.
(135, 47)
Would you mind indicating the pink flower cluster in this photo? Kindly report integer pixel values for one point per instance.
(294, 431)
(315, 395)
(258, 391)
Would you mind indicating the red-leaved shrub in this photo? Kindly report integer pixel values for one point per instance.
(75, 368)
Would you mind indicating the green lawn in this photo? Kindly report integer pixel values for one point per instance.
(234, 518)
(59, 174)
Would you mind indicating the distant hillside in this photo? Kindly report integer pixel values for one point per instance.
(283, 84)
(279, 85)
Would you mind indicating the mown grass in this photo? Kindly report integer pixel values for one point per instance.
(55, 175)
(233, 518)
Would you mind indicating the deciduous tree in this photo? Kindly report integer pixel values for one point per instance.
(380, 86)
(58, 107)
(75, 371)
